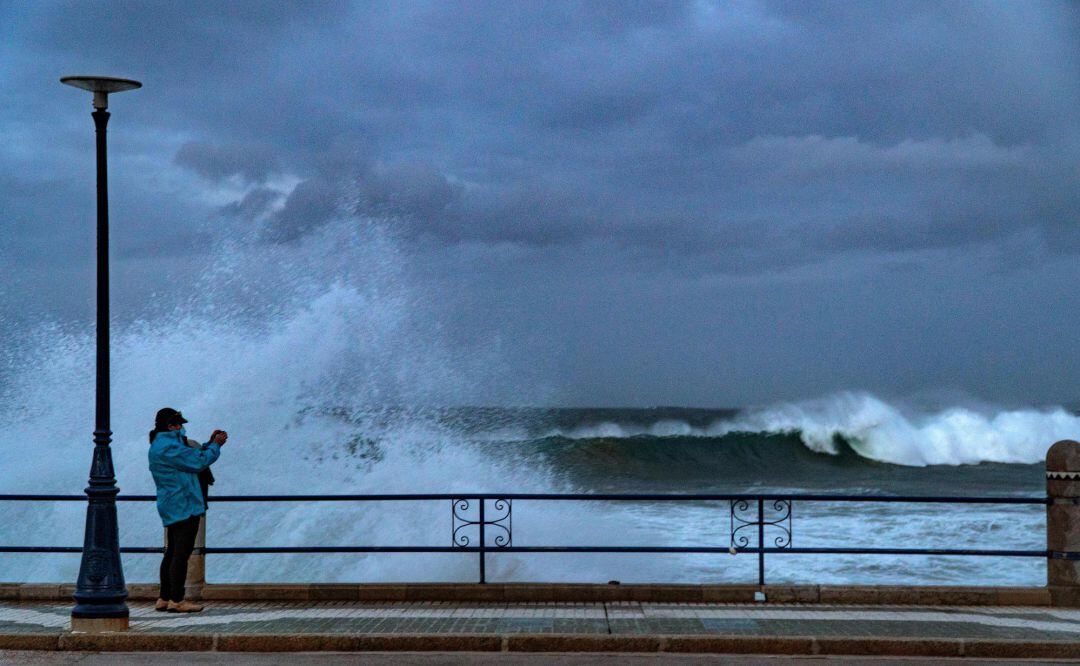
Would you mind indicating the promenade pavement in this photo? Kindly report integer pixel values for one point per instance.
(794, 629)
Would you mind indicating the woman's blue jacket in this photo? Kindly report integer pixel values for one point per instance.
(175, 467)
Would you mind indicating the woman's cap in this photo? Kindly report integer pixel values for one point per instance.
(168, 416)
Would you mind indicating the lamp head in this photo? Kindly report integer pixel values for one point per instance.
(101, 86)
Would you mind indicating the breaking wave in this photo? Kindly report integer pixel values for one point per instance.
(874, 429)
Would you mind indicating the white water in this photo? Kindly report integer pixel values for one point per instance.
(881, 431)
(278, 335)
(954, 436)
(281, 335)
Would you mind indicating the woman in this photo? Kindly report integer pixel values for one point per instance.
(175, 463)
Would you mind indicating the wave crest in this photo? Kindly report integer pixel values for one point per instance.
(878, 430)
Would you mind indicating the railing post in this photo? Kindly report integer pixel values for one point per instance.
(761, 541)
(483, 543)
(1063, 523)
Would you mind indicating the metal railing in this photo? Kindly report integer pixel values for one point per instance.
(767, 515)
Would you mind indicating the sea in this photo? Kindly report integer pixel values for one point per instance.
(325, 362)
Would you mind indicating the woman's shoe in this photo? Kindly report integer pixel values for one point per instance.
(184, 607)
(162, 605)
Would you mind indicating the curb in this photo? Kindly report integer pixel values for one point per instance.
(921, 595)
(697, 644)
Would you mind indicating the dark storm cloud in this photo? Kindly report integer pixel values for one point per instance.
(311, 204)
(913, 195)
(251, 163)
(605, 143)
(423, 202)
(413, 194)
(882, 128)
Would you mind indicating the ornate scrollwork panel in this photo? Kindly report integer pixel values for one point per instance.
(774, 519)
(466, 520)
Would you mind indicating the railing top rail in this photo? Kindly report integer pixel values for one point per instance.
(609, 497)
(784, 550)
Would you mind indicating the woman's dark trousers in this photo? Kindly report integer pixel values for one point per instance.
(181, 538)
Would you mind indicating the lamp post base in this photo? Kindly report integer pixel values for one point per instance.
(98, 625)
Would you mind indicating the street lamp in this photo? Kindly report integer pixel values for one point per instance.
(100, 592)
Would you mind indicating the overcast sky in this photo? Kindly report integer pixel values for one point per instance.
(697, 203)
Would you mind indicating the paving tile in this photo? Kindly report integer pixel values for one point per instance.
(339, 617)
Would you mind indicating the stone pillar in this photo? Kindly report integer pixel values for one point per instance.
(196, 568)
(1063, 523)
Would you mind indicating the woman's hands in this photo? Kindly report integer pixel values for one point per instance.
(219, 437)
